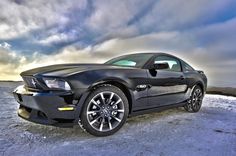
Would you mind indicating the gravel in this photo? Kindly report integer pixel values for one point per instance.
(212, 131)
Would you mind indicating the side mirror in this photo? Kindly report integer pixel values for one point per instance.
(160, 66)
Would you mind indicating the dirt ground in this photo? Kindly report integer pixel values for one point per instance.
(212, 131)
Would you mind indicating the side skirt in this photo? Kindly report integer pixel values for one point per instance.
(156, 109)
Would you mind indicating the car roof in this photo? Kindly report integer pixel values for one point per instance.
(153, 53)
(156, 54)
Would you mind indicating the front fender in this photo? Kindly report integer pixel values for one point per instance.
(110, 80)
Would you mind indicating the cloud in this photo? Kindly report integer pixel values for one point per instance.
(57, 24)
(33, 33)
(57, 38)
(112, 15)
(9, 62)
(182, 15)
(182, 44)
(22, 17)
(5, 45)
(216, 59)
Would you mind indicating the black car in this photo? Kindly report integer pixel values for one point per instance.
(100, 97)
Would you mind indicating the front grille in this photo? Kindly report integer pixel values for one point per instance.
(31, 82)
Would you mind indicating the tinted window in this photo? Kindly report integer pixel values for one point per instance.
(133, 60)
(187, 67)
(174, 64)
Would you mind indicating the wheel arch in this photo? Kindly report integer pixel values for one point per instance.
(119, 84)
(200, 84)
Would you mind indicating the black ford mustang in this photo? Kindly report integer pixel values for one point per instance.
(100, 97)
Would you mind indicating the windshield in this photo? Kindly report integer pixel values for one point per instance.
(133, 60)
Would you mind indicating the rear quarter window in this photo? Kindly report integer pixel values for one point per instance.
(186, 67)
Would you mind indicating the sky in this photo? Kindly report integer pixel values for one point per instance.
(41, 32)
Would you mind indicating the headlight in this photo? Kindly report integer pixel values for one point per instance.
(56, 83)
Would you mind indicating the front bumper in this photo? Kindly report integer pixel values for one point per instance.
(51, 108)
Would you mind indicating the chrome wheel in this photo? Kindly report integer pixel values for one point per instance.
(105, 111)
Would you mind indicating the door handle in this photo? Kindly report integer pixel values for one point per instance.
(143, 87)
(149, 86)
(182, 77)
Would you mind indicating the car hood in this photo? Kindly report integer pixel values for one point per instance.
(66, 69)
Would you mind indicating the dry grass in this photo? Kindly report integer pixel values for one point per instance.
(229, 91)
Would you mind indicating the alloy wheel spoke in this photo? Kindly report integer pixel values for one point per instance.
(102, 97)
(96, 119)
(197, 105)
(200, 95)
(117, 119)
(119, 110)
(93, 111)
(118, 101)
(198, 99)
(101, 125)
(109, 123)
(95, 103)
(111, 96)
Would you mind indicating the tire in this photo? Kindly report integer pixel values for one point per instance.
(105, 111)
(195, 102)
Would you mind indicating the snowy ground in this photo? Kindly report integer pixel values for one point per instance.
(212, 131)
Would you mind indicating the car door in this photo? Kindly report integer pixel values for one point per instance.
(167, 86)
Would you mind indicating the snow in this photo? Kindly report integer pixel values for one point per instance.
(212, 131)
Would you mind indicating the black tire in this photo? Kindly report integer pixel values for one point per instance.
(102, 113)
(195, 102)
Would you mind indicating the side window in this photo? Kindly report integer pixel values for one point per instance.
(187, 67)
(174, 64)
